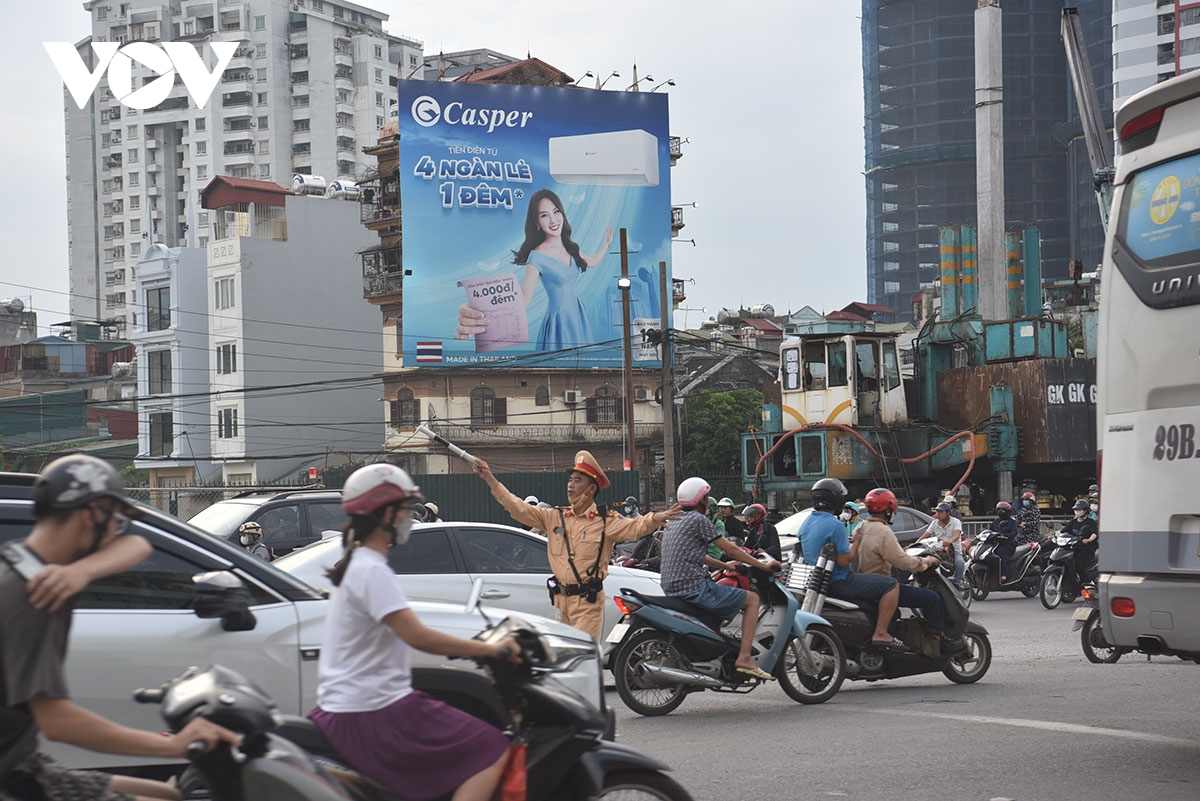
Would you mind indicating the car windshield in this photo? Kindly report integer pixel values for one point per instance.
(223, 518)
(790, 525)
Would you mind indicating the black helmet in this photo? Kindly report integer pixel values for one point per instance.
(74, 481)
(828, 493)
(1081, 505)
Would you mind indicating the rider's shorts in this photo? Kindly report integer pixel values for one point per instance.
(862, 587)
(717, 598)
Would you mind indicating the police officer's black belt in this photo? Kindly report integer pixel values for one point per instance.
(592, 586)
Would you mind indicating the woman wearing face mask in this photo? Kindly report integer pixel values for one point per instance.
(250, 536)
(366, 707)
(1029, 520)
(1006, 527)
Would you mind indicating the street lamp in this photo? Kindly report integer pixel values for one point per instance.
(615, 74)
(667, 82)
(633, 86)
(624, 283)
(588, 74)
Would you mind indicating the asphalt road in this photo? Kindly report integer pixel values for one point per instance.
(1044, 723)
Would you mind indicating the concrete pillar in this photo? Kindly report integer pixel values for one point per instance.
(989, 159)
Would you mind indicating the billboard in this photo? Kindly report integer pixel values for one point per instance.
(512, 200)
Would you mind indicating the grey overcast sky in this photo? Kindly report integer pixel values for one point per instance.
(769, 93)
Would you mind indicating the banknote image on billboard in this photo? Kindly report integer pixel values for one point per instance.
(512, 200)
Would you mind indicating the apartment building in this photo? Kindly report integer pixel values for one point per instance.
(1153, 40)
(311, 81)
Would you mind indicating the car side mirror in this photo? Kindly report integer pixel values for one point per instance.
(220, 594)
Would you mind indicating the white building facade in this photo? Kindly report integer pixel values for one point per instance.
(310, 82)
(293, 352)
(1153, 40)
(171, 339)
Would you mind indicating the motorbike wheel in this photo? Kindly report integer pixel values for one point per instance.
(640, 693)
(964, 593)
(1095, 647)
(1051, 590)
(979, 586)
(970, 666)
(642, 784)
(1030, 588)
(799, 685)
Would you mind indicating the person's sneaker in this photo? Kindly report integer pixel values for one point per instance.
(950, 646)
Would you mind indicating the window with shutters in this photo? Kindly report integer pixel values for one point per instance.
(405, 410)
(487, 409)
(606, 407)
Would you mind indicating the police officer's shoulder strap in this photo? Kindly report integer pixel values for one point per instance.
(594, 570)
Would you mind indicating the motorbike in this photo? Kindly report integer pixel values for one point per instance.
(933, 547)
(1061, 581)
(854, 622)
(667, 648)
(984, 565)
(286, 758)
(1087, 622)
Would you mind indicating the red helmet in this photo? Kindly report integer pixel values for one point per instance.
(1029, 496)
(880, 500)
(754, 511)
(1004, 506)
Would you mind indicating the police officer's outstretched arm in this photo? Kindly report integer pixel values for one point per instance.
(544, 519)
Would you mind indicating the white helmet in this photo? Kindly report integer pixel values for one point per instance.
(432, 509)
(372, 487)
(692, 491)
(532, 500)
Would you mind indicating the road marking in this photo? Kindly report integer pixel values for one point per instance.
(1048, 725)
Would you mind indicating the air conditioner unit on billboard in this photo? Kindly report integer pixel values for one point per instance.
(572, 396)
(620, 158)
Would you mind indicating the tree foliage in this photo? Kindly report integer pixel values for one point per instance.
(714, 422)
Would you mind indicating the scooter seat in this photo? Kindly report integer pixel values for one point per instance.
(304, 733)
(1022, 550)
(708, 618)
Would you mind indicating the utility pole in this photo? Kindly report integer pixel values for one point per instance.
(668, 382)
(989, 159)
(624, 283)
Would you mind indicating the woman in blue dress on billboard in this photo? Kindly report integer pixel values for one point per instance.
(549, 252)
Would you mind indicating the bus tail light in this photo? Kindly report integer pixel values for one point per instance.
(1141, 131)
(1122, 607)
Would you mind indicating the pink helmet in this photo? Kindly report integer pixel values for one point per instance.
(370, 488)
(692, 491)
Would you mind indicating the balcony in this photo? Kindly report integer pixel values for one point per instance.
(379, 207)
(676, 220)
(114, 278)
(543, 432)
(382, 271)
(237, 99)
(675, 145)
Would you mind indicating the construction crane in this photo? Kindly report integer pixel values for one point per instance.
(1095, 132)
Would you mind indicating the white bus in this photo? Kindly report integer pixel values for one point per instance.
(1148, 372)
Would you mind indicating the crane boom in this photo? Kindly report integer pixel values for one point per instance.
(1095, 132)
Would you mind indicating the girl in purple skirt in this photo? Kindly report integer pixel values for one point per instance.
(399, 737)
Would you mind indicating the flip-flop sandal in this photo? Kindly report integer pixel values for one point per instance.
(894, 644)
(757, 673)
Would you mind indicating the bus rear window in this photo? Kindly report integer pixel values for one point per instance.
(1160, 214)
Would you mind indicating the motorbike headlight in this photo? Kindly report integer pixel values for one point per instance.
(568, 652)
(1063, 541)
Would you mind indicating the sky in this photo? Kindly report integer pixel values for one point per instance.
(768, 95)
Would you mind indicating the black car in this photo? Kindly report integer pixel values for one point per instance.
(289, 520)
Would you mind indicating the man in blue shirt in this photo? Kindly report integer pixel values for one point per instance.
(823, 527)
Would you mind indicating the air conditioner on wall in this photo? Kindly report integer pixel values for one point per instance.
(619, 158)
(641, 394)
(571, 396)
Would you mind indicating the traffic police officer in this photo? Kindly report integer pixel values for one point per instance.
(580, 539)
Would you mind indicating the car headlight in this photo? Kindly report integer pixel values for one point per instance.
(568, 652)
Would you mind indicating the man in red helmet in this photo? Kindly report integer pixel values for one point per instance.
(879, 551)
(761, 535)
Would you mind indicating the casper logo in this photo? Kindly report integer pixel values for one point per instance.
(427, 112)
(118, 60)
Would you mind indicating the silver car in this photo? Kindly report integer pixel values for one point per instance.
(440, 560)
(142, 627)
